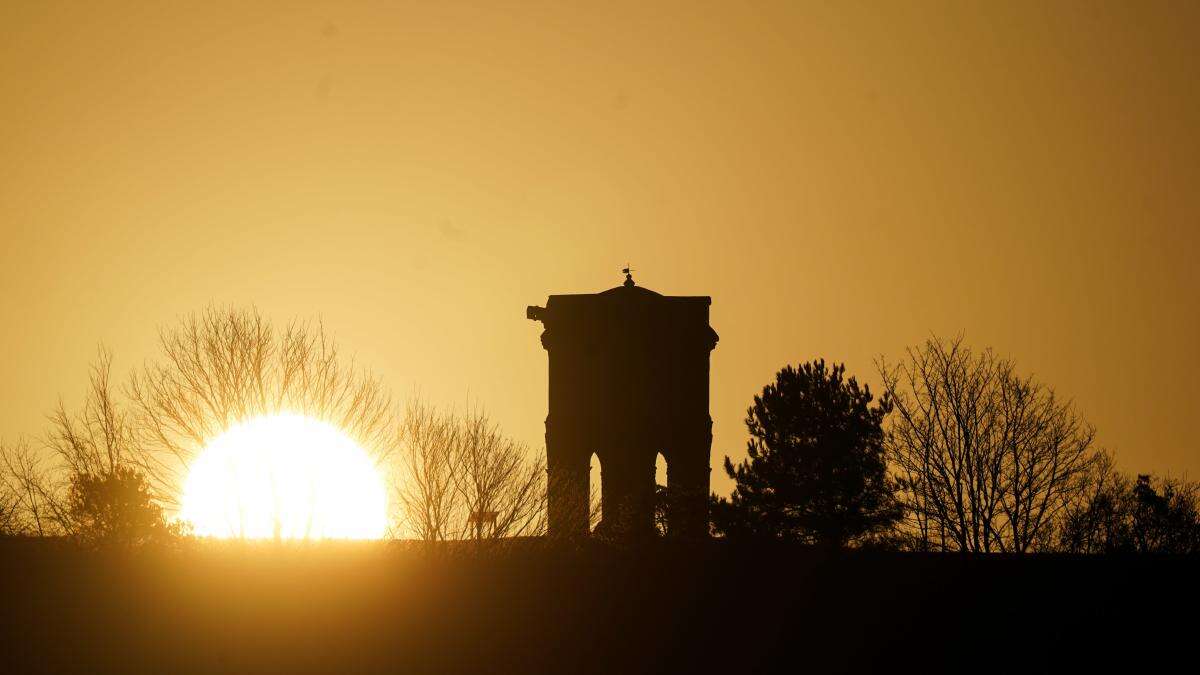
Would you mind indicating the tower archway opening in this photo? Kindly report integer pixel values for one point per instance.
(595, 490)
(662, 496)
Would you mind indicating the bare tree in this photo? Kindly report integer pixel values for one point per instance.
(1096, 520)
(987, 460)
(224, 366)
(460, 477)
(1046, 456)
(100, 437)
(1120, 514)
(502, 487)
(9, 516)
(425, 487)
(93, 443)
(34, 491)
(218, 368)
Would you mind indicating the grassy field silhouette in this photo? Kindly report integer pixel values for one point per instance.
(529, 607)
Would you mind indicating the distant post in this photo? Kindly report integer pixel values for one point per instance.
(478, 519)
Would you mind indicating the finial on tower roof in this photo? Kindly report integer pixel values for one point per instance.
(628, 272)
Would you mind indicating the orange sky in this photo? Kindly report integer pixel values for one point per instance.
(843, 179)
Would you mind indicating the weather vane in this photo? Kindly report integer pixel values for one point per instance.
(628, 272)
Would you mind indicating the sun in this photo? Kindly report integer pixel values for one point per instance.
(284, 476)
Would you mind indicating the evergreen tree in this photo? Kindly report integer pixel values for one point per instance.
(116, 508)
(817, 470)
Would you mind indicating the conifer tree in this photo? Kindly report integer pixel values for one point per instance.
(817, 470)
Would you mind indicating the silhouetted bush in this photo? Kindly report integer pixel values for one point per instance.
(116, 508)
(1146, 515)
(817, 470)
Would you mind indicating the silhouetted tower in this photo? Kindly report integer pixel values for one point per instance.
(628, 379)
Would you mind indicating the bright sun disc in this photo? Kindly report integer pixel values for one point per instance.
(285, 477)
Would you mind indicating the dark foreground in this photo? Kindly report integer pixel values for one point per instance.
(388, 607)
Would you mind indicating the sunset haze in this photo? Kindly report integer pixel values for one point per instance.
(844, 180)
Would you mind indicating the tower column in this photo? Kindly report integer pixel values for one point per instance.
(567, 468)
(688, 486)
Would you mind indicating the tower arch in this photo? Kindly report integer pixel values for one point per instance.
(662, 495)
(595, 489)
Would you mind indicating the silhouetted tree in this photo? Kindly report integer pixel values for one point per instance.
(1096, 520)
(9, 521)
(33, 489)
(1146, 515)
(501, 482)
(987, 459)
(101, 435)
(116, 508)
(224, 366)
(96, 440)
(218, 368)
(816, 470)
(1164, 516)
(425, 486)
(461, 478)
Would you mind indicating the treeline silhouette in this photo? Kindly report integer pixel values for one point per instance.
(830, 555)
(960, 453)
(110, 473)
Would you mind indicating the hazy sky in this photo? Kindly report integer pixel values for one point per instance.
(843, 179)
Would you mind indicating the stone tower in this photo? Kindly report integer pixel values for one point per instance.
(628, 380)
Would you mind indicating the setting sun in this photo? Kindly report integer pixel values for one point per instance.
(288, 477)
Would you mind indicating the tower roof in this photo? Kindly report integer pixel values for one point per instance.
(627, 312)
(629, 289)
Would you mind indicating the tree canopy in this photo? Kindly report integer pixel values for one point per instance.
(987, 459)
(116, 508)
(816, 470)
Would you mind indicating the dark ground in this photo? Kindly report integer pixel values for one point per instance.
(663, 608)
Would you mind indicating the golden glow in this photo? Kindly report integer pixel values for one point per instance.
(288, 477)
(415, 174)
